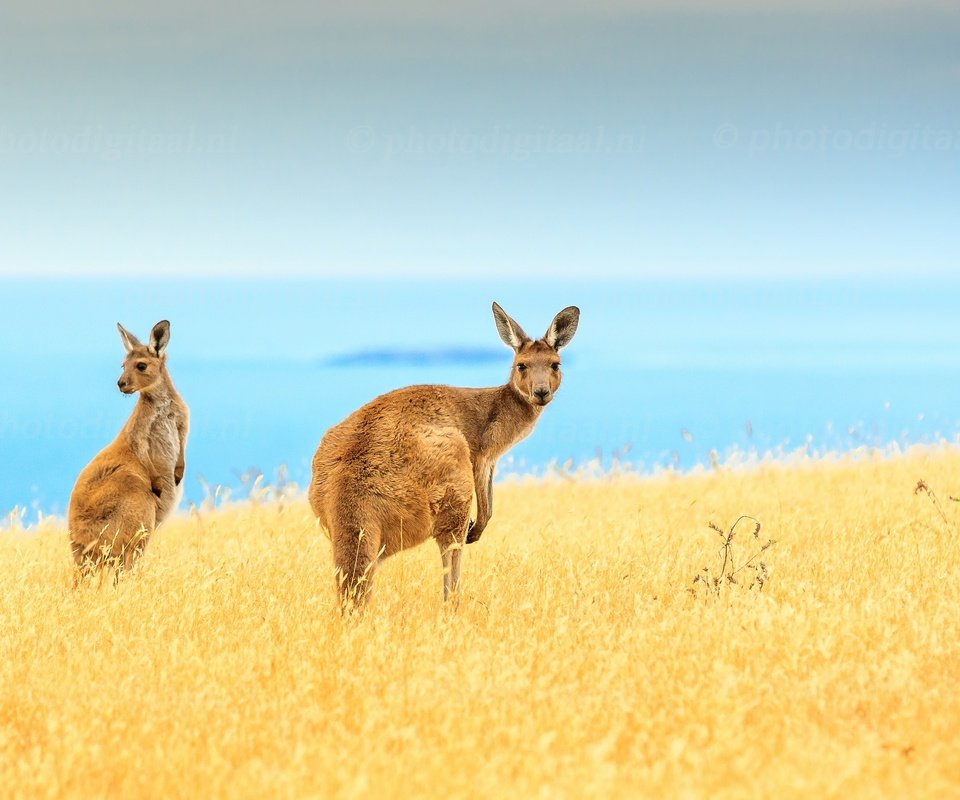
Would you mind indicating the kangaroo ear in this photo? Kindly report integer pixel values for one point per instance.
(129, 340)
(159, 337)
(511, 333)
(563, 327)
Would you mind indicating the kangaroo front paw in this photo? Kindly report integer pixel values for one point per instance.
(471, 536)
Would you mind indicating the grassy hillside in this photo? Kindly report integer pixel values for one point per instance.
(583, 661)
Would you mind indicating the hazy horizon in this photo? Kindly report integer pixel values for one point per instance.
(663, 373)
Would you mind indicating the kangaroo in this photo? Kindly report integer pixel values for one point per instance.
(134, 483)
(406, 466)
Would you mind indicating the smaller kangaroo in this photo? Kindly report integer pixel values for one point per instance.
(133, 484)
(406, 466)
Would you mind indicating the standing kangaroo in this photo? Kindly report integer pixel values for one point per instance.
(406, 466)
(133, 484)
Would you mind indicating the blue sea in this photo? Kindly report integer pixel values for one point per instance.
(659, 374)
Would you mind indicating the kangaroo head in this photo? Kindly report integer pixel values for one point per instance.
(536, 363)
(144, 363)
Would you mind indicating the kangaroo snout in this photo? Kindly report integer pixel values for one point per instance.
(542, 395)
(122, 385)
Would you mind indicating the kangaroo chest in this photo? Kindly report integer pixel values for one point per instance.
(501, 436)
(158, 441)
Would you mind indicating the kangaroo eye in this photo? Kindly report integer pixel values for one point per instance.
(522, 367)
(142, 366)
(555, 367)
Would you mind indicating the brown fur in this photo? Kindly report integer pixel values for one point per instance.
(133, 484)
(405, 467)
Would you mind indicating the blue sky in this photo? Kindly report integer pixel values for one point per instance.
(538, 139)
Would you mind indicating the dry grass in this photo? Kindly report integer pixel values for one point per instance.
(579, 664)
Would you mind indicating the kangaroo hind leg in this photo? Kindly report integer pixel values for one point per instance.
(355, 553)
(450, 532)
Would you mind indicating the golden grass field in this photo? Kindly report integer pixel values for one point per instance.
(579, 663)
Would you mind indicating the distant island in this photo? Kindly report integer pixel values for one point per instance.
(416, 357)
